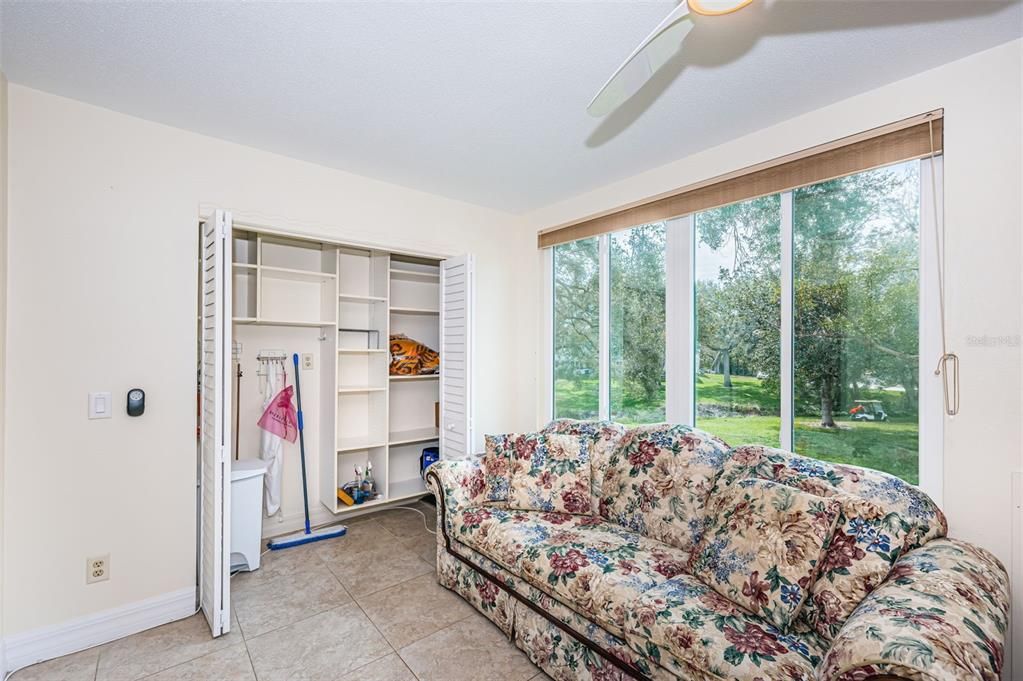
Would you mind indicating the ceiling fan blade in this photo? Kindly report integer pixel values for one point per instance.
(652, 54)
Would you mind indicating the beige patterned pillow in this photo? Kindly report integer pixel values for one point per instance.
(866, 543)
(496, 464)
(764, 546)
(550, 473)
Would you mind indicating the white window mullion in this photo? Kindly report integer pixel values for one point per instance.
(679, 334)
(547, 401)
(787, 341)
(604, 327)
(931, 403)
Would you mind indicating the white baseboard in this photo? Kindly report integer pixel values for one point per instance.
(286, 523)
(295, 522)
(80, 633)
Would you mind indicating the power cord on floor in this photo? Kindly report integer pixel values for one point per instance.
(410, 508)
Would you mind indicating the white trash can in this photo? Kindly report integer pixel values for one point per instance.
(246, 513)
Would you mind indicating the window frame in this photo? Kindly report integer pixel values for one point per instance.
(680, 398)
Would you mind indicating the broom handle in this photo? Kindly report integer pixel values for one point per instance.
(301, 441)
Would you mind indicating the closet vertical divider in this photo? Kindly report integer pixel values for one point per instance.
(328, 473)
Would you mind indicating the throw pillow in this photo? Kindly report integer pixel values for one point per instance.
(604, 437)
(871, 533)
(764, 546)
(496, 465)
(866, 543)
(550, 473)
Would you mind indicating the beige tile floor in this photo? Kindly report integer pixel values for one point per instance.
(366, 606)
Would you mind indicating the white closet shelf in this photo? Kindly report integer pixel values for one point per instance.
(352, 389)
(426, 377)
(408, 437)
(415, 275)
(354, 444)
(414, 311)
(245, 266)
(361, 351)
(279, 322)
(403, 489)
(296, 275)
(346, 298)
(341, 508)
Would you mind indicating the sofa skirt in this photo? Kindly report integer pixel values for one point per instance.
(566, 646)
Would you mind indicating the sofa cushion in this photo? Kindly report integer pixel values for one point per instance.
(496, 465)
(550, 472)
(763, 548)
(658, 479)
(882, 517)
(684, 620)
(595, 567)
(604, 437)
(866, 543)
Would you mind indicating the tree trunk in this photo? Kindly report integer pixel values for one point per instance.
(911, 391)
(726, 368)
(827, 411)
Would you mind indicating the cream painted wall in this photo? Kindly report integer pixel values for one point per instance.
(981, 96)
(102, 217)
(3, 336)
(103, 212)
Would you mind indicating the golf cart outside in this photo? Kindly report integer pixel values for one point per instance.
(868, 410)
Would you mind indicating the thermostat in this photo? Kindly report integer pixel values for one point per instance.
(136, 402)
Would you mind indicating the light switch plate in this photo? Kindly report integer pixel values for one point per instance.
(100, 406)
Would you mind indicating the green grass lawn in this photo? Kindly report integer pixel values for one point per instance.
(749, 416)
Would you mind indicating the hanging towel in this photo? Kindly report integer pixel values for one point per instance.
(280, 417)
(271, 444)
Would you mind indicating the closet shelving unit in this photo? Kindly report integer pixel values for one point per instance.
(358, 297)
(379, 418)
(283, 282)
(414, 310)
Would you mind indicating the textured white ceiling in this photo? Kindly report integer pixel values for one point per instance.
(479, 101)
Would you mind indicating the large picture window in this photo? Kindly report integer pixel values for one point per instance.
(576, 346)
(738, 321)
(801, 312)
(856, 319)
(637, 325)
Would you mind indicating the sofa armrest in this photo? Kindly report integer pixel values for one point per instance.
(456, 485)
(941, 615)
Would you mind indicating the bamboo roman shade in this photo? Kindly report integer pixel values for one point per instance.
(902, 141)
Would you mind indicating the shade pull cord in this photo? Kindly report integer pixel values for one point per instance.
(948, 363)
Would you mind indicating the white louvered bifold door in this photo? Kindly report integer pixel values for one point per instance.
(456, 316)
(215, 485)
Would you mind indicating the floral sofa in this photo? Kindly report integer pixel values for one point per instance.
(645, 554)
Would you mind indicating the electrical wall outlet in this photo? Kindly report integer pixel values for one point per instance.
(307, 361)
(97, 569)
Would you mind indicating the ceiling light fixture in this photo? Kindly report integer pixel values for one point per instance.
(713, 8)
(654, 52)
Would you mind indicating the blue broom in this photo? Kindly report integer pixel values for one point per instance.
(310, 535)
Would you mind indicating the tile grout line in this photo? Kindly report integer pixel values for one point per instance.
(352, 597)
(319, 612)
(391, 586)
(394, 651)
(248, 653)
(189, 661)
